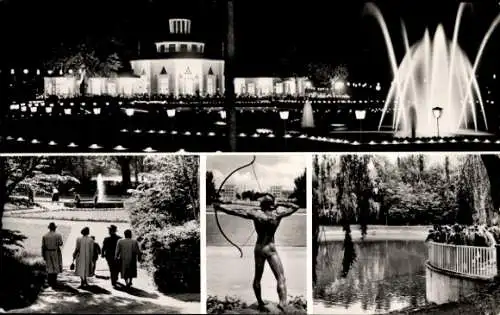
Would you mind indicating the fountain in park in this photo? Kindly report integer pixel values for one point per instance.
(435, 72)
(100, 200)
(101, 188)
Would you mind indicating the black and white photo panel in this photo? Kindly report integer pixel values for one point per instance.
(207, 76)
(256, 234)
(100, 234)
(412, 233)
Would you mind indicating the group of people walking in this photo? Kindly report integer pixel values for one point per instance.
(121, 254)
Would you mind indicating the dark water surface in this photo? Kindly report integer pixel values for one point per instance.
(387, 276)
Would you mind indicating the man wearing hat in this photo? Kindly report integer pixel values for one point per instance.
(108, 252)
(51, 253)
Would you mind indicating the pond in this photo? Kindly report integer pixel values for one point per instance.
(387, 276)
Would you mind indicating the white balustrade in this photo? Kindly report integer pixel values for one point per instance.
(466, 260)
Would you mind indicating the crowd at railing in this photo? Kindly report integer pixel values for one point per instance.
(470, 235)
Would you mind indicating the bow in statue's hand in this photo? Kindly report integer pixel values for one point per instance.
(215, 208)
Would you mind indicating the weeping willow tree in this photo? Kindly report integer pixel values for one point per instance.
(342, 192)
(353, 194)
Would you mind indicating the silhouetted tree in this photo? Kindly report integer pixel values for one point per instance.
(96, 60)
(300, 190)
(211, 191)
(124, 162)
(320, 74)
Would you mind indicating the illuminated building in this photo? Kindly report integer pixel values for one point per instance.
(179, 67)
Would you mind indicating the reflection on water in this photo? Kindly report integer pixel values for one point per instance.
(387, 276)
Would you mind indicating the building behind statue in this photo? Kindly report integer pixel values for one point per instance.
(179, 67)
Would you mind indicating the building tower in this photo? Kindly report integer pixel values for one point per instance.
(180, 66)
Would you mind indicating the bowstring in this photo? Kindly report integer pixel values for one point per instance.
(260, 190)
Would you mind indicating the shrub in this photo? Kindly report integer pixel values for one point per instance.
(164, 212)
(23, 277)
(229, 303)
(172, 254)
(234, 305)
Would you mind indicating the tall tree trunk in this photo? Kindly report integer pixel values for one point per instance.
(492, 165)
(315, 243)
(229, 96)
(3, 178)
(124, 162)
(136, 169)
(3, 187)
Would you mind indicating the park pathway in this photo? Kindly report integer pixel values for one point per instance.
(101, 297)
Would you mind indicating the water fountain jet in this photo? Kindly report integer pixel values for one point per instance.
(102, 201)
(101, 188)
(434, 72)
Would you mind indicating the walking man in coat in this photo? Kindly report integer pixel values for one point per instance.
(84, 251)
(128, 253)
(95, 256)
(108, 252)
(51, 253)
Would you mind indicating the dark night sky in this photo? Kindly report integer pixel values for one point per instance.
(328, 31)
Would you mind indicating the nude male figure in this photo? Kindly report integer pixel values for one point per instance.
(266, 219)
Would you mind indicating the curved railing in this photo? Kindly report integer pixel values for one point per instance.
(472, 261)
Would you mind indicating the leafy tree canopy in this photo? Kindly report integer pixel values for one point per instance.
(97, 58)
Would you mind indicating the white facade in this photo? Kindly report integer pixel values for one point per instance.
(63, 86)
(182, 76)
(265, 86)
(276, 191)
(184, 72)
(228, 192)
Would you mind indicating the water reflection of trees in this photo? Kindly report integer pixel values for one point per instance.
(385, 273)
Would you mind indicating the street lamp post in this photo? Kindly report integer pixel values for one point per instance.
(437, 112)
(284, 114)
(360, 115)
(171, 114)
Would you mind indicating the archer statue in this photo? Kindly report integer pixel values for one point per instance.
(266, 219)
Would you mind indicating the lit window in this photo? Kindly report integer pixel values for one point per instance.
(111, 88)
(251, 88)
(127, 86)
(163, 84)
(188, 82)
(211, 85)
(95, 85)
(279, 88)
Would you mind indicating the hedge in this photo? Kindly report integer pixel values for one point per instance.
(172, 254)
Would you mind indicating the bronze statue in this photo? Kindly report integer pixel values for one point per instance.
(266, 220)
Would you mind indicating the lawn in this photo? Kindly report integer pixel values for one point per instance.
(101, 215)
(33, 233)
